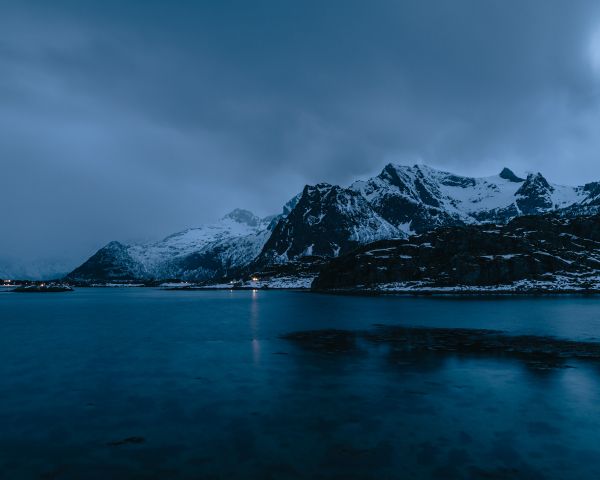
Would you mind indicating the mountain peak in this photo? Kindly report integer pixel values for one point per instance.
(318, 189)
(508, 174)
(322, 186)
(539, 180)
(534, 196)
(114, 245)
(390, 173)
(245, 217)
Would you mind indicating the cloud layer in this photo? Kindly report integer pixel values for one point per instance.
(130, 120)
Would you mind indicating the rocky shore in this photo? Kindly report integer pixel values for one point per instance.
(533, 254)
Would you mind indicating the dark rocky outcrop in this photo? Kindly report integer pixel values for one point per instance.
(508, 174)
(326, 220)
(540, 352)
(412, 196)
(589, 206)
(527, 248)
(534, 196)
(110, 263)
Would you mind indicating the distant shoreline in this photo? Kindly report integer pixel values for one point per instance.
(374, 292)
(457, 293)
(479, 292)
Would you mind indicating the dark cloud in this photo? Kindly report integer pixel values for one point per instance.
(130, 120)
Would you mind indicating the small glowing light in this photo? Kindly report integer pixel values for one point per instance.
(255, 279)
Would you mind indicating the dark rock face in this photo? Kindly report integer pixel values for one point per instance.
(498, 215)
(411, 196)
(326, 220)
(111, 262)
(592, 191)
(508, 174)
(589, 206)
(527, 248)
(534, 196)
(399, 210)
(204, 265)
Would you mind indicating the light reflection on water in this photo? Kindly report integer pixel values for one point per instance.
(254, 319)
(205, 380)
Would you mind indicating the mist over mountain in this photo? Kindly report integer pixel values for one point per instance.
(39, 269)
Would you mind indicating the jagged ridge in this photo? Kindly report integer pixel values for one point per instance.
(328, 220)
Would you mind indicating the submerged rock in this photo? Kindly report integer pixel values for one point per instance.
(538, 351)
(330, 341)
(127, 441)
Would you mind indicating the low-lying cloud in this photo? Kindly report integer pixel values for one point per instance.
(131, 120)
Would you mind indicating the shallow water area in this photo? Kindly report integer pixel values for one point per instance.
(143, 383)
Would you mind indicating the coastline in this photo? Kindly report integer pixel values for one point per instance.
(429, 292)
(409, 289)
(457, 293)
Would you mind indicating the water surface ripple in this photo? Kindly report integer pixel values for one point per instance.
(142, 383)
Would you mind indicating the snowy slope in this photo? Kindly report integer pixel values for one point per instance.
(326, 220)
(418, 198)
(194, 254)
(237, 225)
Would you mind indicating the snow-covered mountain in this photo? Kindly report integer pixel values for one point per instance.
(326, 220)
(194, 254)
(590, 205)
(329, 220)
(419, 198)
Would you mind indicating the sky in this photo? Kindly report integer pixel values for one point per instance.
(130, 120)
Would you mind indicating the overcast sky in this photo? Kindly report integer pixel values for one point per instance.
(130, 120)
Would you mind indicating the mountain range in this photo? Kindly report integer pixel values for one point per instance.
(326, 221)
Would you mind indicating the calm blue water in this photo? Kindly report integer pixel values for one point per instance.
(215, 394)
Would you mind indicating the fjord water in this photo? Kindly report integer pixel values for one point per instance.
(203, 387)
